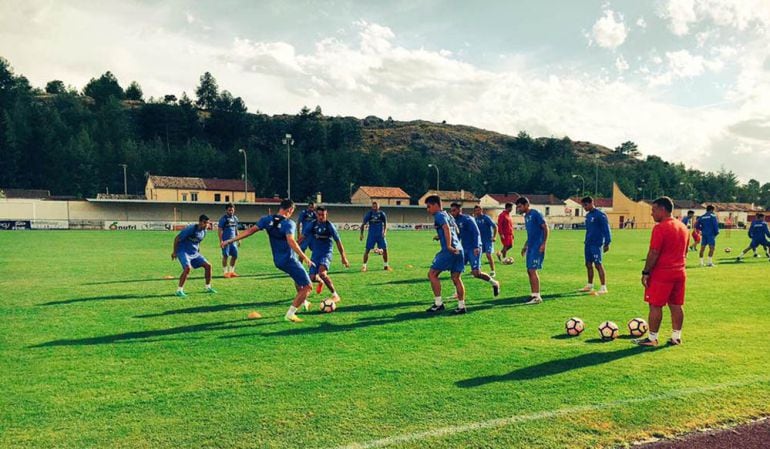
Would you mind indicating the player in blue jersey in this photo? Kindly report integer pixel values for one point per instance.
(534, 249)
(488, 229)
(377, 222)
(228, 228)
(689, 221)
(758, 233)
(449, 258)
(323, 235)
(306, 219)
(470, 239)
(708, 225)
(597, 242)
(287, 254)
(187, 252)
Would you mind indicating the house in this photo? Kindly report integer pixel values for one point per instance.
(548, 205)
(682, 206)
(385, 196)
(465, 198)
(734, 214)
(574, 207)
(26, 194)
(187, 189)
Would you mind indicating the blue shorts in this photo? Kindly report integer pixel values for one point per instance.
(472, 259)
(378, 240)
(757, 243)
(488, 247)
(296, 271)
(708, 240)
(535, 259)
(593, 254)
(305, 244)
(446, 261)
(190, 260)
(325, 260)
(230, 250)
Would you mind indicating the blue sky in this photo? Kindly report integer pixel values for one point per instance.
(688, 80)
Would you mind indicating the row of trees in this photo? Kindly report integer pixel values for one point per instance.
(71, 142)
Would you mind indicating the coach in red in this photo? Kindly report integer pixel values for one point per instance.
(664, 273)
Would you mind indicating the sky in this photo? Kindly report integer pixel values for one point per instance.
(687, 80)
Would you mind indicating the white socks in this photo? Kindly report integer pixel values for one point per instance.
(653, 336)
(535, 294)
(335, 295)
(438, 301)
(385, 265)
(292, 311)
(701, 261)
(590, 285)
(711, 261)
(208, 286)
(461, 304)
(676, 335)
(180, 289)
(603, 288)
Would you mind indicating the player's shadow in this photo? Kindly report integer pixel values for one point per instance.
(144, 336)
(105, 298)
(374, 307)
(553, 367)
(406, 281)
(215, 308)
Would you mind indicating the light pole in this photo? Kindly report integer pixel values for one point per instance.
(245, 176)
(437, 176)
(641, 193)
(288, 141)
(583, 190)
(125, 180)
(596, 175)
(350, 191)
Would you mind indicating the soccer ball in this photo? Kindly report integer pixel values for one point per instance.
(637, 327)
(328, 306)
(728, 249)
(508, 261)
(574, 326)
(608, 331)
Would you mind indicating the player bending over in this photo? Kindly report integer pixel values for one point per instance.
(287, 254)
(488, 230)
(534, 248)
(470, 238)
(449, 258)
(758, 233)
(187, 252)
(321, 234)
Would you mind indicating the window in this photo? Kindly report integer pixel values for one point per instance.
(227, 198)
(547, 211)
(577, 212)
(184, 197)
(217, 197)
(193, 196)
(398, 203)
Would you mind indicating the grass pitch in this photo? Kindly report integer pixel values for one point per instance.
(95, 351)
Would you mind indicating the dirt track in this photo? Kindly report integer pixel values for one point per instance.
(750, 436)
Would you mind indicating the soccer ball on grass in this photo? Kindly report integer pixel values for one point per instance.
(608, 331)
(574, 326)
(637, 327)
(328, 306)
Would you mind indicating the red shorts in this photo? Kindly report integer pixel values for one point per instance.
(696, 237)
(659, 293)
(507, 240)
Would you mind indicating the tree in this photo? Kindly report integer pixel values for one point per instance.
(169, 98)
(628, 148)
(134, 92)
(104, 87)
(55, 87)
(207, 92)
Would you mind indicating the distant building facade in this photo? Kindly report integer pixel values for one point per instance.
(205, 190)
(385, 196)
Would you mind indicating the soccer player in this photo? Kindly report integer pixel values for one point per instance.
(598, 238)
(505, 229)
(287, 254)
(228, 228)
(689, 221)
(708, 225)
(187, 252)
(758, 232)
(306, 218)
(378, 228)
(534, 248)
(322, 233)
(470, 238)
(488, 230)
(449, 258)
(664, 274)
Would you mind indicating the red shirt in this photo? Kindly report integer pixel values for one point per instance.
(671, 239)
(505, 223)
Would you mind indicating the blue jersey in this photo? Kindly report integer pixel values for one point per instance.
(277, 228)
(687, 221)
(190, 239)
(533, 221)
(229, 225)
(597, 228)
(306, 217)
(376, 221)
(470, 237)
(486, 227)
(442, 218)
(323, 237)
(758, 230)
(708, 224)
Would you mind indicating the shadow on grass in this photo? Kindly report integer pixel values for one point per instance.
(106, 298)
(554, 367)
(260, 276)
(406, 281)
(215, 308)
(143, 336)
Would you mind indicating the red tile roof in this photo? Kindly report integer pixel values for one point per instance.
(533, 198)
(453, 195)
(181, 182)
(227, 185)
(384, 192)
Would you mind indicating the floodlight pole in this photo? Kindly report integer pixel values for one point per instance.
(288, 141)
(245, 176)
(125, 179)
(437, 175)
(583, 190)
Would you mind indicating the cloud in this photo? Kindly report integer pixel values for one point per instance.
(740, 15)
(682, 64)
(621, 64)
(680, 15)
(641, 23)
(609, 31)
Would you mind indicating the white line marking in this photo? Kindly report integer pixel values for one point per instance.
(500, 422)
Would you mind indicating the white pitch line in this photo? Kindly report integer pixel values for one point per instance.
(500, 422)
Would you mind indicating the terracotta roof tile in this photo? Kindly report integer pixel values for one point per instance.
(384, 192)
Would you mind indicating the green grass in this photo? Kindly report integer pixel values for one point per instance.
(96, 352)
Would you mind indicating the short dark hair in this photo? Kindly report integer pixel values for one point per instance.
(287, 204)
(375, 202)
(522, 200)
(433, 199)
(760, 215)
(457, 205)
(664, 202)
(710, 208)
(587, 200)
(507, 205)
(310, 203)
(229, 205)
(477, 207)
(203, 217)
(320, 209)
(690, 212)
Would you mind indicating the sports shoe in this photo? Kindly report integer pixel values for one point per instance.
(388, 268)
(306, 305)
(496, 289)
(645, 342)
(435, 309)
(227, 275)
(599, 292)
(674, 341)
(586, 289)
(710, 264)
(534, 300)
(459, 311)
(363, 269)
(491, 274)
(756, 255)
(180, 294)
(211, 290)
(233, 274)
(293, 319)
(738, 259)
(336, 298)
(319, 288)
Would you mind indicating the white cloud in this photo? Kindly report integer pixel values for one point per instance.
(680, 15)
(621, 64)
(736, 14)
(609, 31)
(641, 23)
